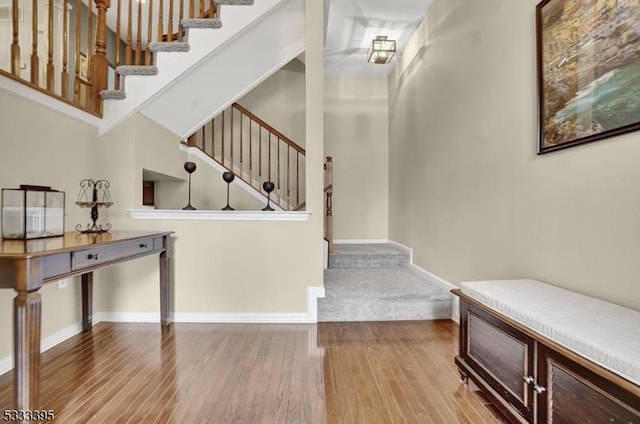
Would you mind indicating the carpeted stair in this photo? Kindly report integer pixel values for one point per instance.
(373, 282)
(170, 46)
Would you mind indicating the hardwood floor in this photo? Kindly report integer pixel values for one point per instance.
(397, 372)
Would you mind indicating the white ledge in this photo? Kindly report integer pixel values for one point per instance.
(204, 215)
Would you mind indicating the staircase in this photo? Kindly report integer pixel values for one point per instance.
(239, 141)
(216, 62)
(374, 282)
(177, 62)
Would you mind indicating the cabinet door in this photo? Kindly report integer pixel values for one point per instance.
(575, 394)
(503, 356)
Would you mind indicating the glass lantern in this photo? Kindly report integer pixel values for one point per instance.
(31, 212)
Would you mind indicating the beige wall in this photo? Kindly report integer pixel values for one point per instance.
(43, 148)
(158, 150)
(356, 136)
(467, 190)
(280, 101)
(218, 267)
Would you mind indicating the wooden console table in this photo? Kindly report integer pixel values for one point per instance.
(26, 265)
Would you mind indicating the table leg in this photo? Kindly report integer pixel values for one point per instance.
(27, 318)
(165, 284)
(87, 301)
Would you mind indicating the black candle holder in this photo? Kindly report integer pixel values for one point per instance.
(190, 167)
(268, 187)
(94, 194)
(228, 178)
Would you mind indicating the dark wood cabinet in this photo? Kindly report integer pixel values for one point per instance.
(531, 379)
(573, 393)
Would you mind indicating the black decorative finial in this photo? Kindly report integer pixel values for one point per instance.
(190, 167)
(268, 187)
(228, 178)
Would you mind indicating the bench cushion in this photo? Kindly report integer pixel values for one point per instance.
(602, 332)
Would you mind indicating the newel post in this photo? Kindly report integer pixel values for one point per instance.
(99, 60)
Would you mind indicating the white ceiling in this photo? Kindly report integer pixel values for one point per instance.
(352, 24)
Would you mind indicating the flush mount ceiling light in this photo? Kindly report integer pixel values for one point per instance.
(381, 50)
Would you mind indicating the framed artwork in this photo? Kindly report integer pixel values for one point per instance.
(84, 68)
(588, 60)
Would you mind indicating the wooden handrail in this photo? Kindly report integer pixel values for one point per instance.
(72, 64)
(269, 128)
(256, 153)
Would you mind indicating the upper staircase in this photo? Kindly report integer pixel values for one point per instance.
(178, 62)
(241, 142)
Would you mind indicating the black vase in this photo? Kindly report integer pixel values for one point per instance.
(228, 178)
(190, 167)
(268, 187)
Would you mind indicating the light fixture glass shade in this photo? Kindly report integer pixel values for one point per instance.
(381, 50)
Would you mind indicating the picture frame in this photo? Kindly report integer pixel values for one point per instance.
(588, 71)
(83, 72)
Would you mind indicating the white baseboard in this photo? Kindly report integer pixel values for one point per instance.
(360, 241)
(249, 318)
(404, 248)
(455, 310)
(129, 316)
(6, 364)
(311, 317)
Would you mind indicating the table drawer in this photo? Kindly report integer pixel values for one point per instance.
(99, 255)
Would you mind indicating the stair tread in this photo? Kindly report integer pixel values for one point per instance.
(137, 70)
(235, 2)
(373, 282)
(113, 94)
(368, 249)
(370, 255)
(170, 46)
(201, 23)
(383, 311)
(377, 284)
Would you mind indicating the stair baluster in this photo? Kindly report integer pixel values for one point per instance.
(328, 192)
(78, 74)
(271, 147)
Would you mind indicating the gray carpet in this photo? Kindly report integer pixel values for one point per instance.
(370, 291)
(378, 255)
(170, 46)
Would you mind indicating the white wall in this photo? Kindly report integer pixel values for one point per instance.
(468, 191)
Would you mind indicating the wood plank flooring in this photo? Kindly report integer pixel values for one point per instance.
(342, 373)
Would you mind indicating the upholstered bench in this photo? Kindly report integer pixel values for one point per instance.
(544, 354)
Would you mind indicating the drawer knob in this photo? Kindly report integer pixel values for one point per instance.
(143, 245)
(528, 379)
(539, 389)
(93, 256)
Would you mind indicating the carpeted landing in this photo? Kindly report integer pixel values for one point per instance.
(373, 282)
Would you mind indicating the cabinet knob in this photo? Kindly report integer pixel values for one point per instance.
(143, 245)
(93, 256)
(539, 389)
(528, 379)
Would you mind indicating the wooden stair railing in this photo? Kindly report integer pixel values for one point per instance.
(328, 206)
(53, 50)
(70, 60)
(256, 153)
